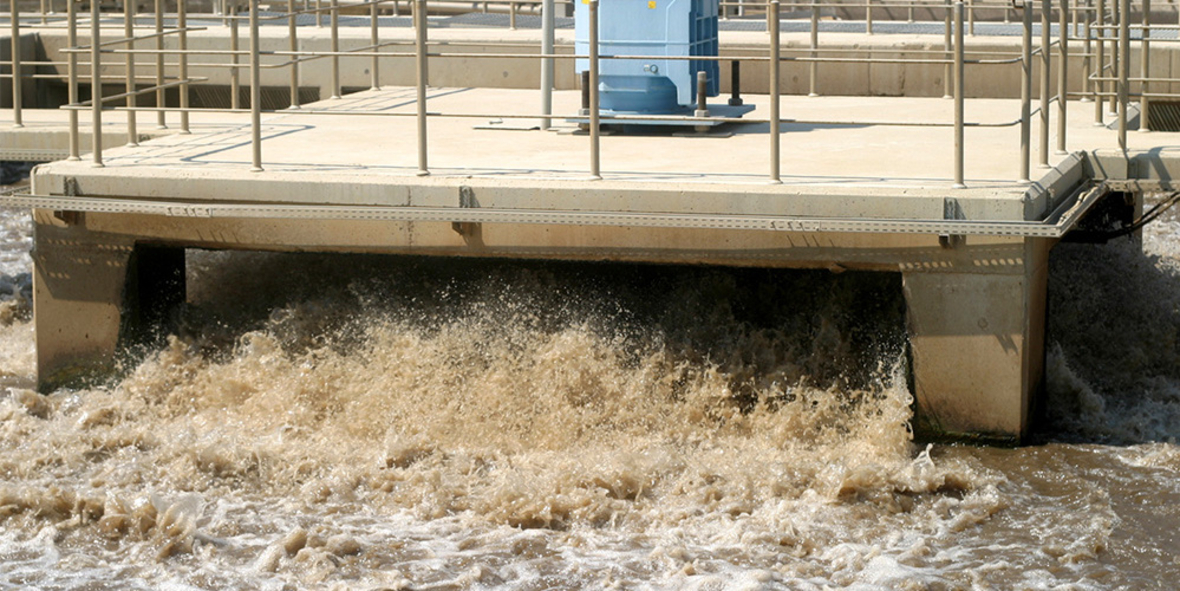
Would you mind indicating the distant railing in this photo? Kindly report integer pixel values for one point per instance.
(1105, 76)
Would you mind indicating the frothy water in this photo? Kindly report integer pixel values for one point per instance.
(380, 423)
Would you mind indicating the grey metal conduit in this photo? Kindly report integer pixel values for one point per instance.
(182, 24)
(1100, 68)
(1144, 69)
(161, 121)
(1087, 85)
(547, 63)
(375, 42)
(1115, 49)
(235, 82)
(814, 68)
(334, 20)
(947, 74)
(14, 22)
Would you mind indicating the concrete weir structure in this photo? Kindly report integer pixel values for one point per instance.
(900, 184)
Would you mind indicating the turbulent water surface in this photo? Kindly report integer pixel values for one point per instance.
(378, 423)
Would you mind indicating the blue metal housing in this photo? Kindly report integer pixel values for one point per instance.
(655, 28)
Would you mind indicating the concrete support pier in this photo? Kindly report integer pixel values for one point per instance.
(978, 344)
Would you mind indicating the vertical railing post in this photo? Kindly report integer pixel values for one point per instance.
(421, 74)
(182, 24)
(868, 17)
(161, 116)
(1062, 73)
(72, 78)
(1145, 70)
(1087, 71)
(235, 77)
(814, 66)
(595, 163)
(95, 85)
(129, 78)
(319, 13)
(1046, 65)
(1124, 68)
(548, 23)
(959, 59)
(374, 43)
(511, 15)
(255, 91)
(971, 17)
(1026, 90)
(947, 74)
(773, 10)
(1115, 48)
(293, 45)
(14, 20)
(1100, 85)
(334, 20)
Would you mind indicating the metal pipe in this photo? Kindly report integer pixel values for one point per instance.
(868, 17)
(421, 75)
(1062, 72)
(774, 94)
(255, 91)
(547, 33)
(971, 17)
(1144, 68)
(235, 83)
(1124, 68)
(72, 76)
(1026, 91)
(595, 164)
(335, 24)
(375, 43)
(585, 92)
(512, 16)
(129, 84)
(814, 67)
(161, 99)
(947, 91)
(1046, 65)
(1100, 87)
(319, 13)
(95, 85)
(959, 184)
(14, 21)
(1115, 49)
(182, 24)
(293, 44)
(702, 94)
(735, 83)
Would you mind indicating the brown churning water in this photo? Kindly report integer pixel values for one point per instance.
(375, 423)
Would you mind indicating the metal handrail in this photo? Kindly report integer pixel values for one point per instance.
(958, 23)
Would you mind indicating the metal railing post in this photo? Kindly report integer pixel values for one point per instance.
(947, 74)
(182, 24)
(1062, 73)
(1145, 69)
(293, 45)
(1026, 91)
(1115, 49)
(971, 17)
(1124, 68)
(813, 68)
(319, 13)
(235, 78)
(1046, 65)
(1100, 85)
(72, 75)
(959, 55)
(255, 91)
(547, 71)
(375, 42)
(334, 20)
(773, 10)
(511, 15)
(868, 17)
(421, 74)
(95, 85)
(14, 20)
(1087, 84)
(161, 99)
(595, 163)
(129, 72)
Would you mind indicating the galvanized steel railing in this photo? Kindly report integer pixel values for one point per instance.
(1099, 84)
